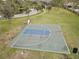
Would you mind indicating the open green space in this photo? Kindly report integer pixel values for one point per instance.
(68, 21)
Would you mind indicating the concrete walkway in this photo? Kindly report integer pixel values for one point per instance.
(33, 12)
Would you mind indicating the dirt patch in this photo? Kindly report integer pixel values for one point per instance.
(22, 54)
(5, 39)
(8, 36)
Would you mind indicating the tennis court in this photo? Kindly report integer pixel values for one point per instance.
(41, 37)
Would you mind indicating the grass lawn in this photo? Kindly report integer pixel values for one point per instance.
(68, 21)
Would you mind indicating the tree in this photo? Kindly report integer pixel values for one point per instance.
(75, 3)
(18, 6)
(58, 3)
(7, 10)
(38, 5)
(49, 7)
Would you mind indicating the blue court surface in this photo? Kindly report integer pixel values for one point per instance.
(36, 32)
(41, 37)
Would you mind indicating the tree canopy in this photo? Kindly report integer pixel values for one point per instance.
(9, 8)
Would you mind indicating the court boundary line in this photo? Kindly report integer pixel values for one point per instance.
(39, 43)
(39, 50)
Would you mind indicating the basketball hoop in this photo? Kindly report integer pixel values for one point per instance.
(29, 21)
(22, 53)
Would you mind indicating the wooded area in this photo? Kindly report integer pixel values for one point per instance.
(8, 8)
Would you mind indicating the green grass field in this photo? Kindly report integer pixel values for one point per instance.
(68, 21)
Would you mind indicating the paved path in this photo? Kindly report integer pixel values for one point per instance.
(33, 12)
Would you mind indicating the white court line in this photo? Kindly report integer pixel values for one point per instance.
(43, 50)
(66, 44)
